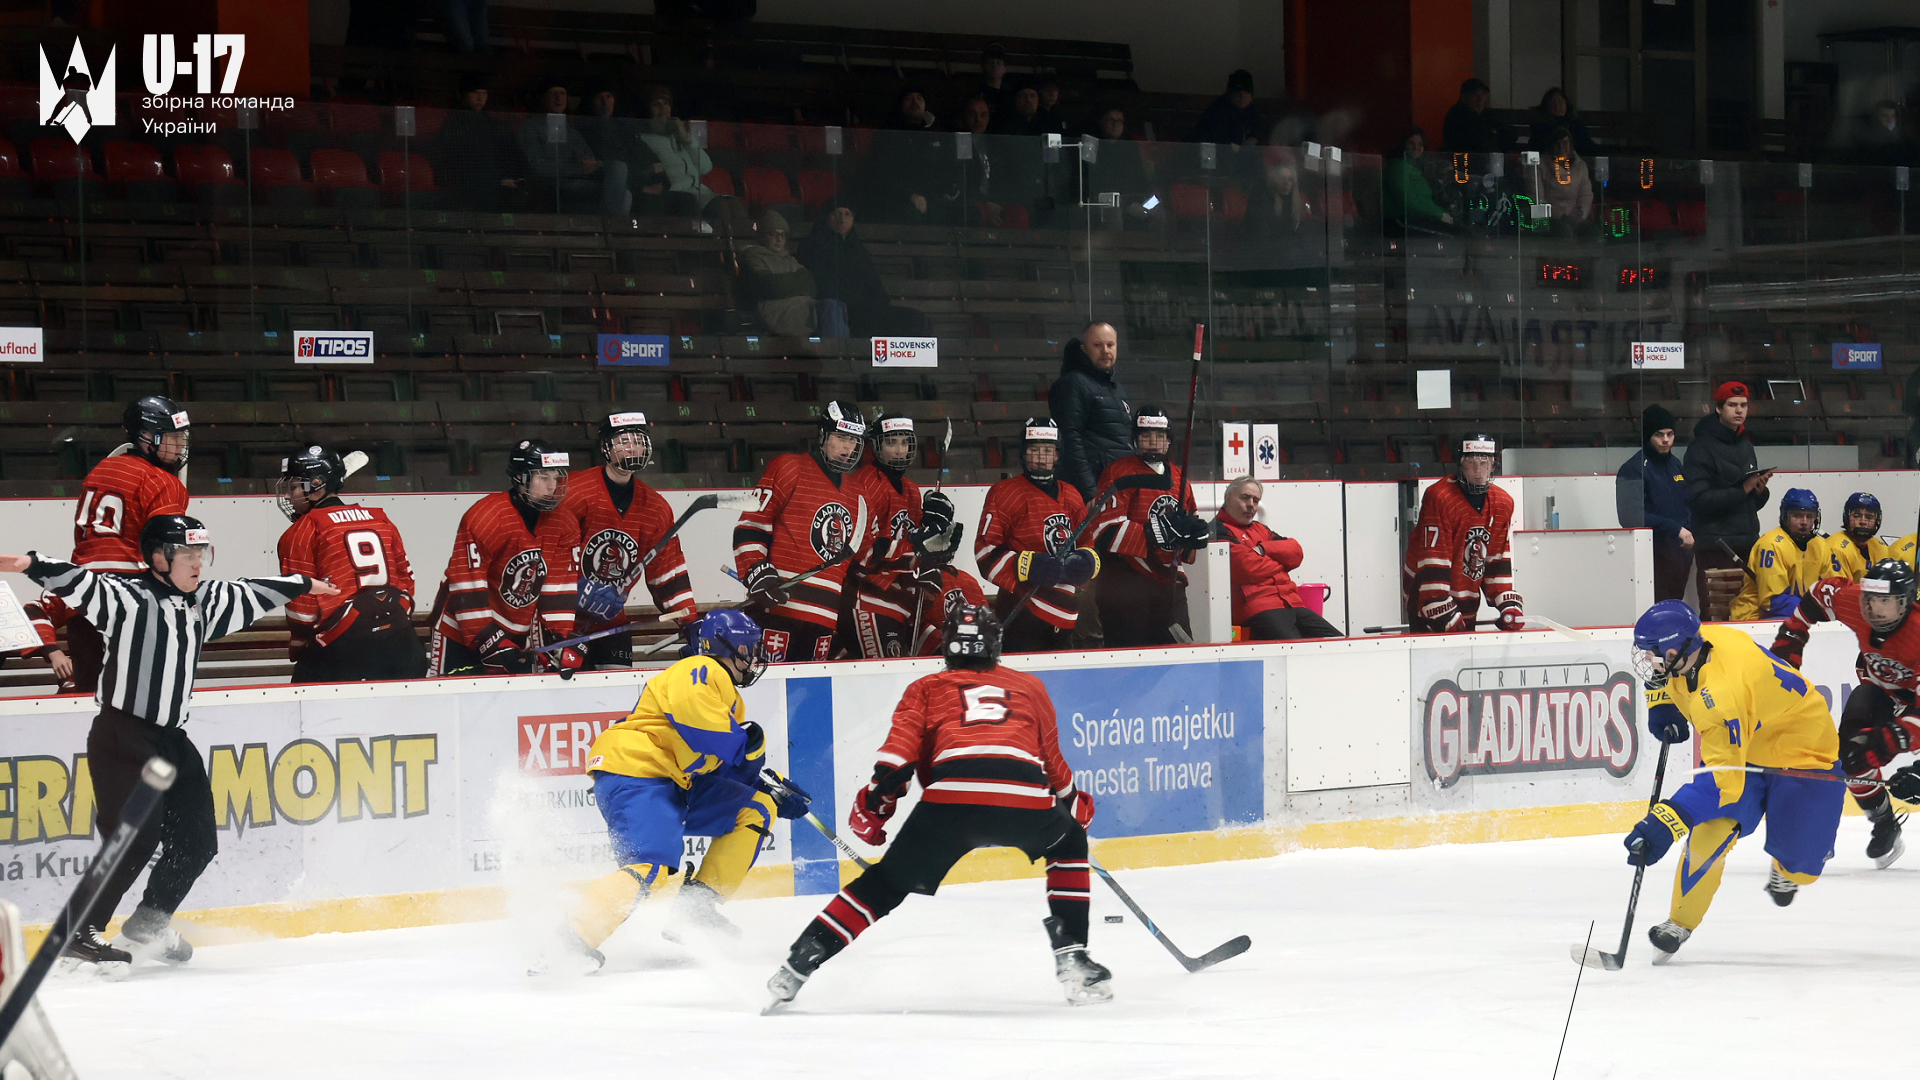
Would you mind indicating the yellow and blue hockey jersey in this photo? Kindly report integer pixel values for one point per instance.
(1781, 572)
(689, 721)
(1847, 559)
(1750, 708)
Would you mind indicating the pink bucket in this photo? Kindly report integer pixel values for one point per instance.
(1314, 595)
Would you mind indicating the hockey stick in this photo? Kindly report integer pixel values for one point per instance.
(354, 461)
(1592, 957)
(731, 500)
(155, 778)
(1738, 561)
(1193, 397)
(1130, 482)
(1545, 624)
(1797, 774)
(920, 595)
(1206, 960)
(844, 554)
(784, 787)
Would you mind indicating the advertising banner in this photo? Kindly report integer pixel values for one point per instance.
(906, 352)
(22, 345)
(1851, 357)
(633, 350)
(1658, 355)
(333, 346)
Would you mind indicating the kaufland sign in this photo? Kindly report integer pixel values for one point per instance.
(22, 345)
(333, 346)
(906, 352)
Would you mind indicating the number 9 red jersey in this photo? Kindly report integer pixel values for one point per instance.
(357, 549)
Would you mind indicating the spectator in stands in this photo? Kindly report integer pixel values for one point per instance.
(1117, 166)
(1230, 119)
(477, 161)
(1265, 602)
(983, 183)
(911, 177)
(467, 26)
(685, 163)
(565, 166)
(1409, 206)
(844, 271)
(781, 289)
(1050, 118)
(1884, 141)
(617, 138)
(1021, 174)
(1567, 187)
(1650, 492)
(1023, 117)
(993, 78)
(1282, 242)
(1469, 129)
(1096, 427)
(1555, 112)
(1726, 489)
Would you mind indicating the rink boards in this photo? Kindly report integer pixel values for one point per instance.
(350, 807)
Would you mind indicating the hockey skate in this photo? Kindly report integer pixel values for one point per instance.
(1780, 886)
(809, 951)
(697, 911)
(1667, 939)
(149, 935)
(569, 954)
(1886, 847)
(1085, 981)
(89, 952)
(782, 987)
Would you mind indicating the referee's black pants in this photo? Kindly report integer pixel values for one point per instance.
(118, 746)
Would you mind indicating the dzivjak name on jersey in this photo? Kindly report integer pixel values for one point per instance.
(1531, 718)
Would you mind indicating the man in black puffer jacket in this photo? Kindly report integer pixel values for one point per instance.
(1725, 488)
(1096, 427)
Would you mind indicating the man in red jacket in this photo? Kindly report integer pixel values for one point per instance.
(1264, 599)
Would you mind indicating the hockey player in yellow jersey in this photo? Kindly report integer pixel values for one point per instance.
(1785, 562)
(1752, 712)
(1857, 545)
(685, 762)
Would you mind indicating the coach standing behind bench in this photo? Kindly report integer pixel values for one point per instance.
(153, 626)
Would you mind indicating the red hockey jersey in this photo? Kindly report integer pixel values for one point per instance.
(896, 512)
(956, 587)
(116, 500)
(37, 617)
(1020, 515)
(982, 737)
(1459, 554)
(807, 515)
(1892, 665)
(612, 543)
(502, 579)
(1121, 529)
(357, 549)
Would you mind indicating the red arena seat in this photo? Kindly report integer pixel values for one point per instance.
(138, 171)
(342, 175)
(57, 158)
(720, 181)
(816, 187)
(766, 187)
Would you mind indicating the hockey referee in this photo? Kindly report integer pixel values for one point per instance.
(153, 626)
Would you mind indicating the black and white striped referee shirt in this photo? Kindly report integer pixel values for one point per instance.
(154, 631)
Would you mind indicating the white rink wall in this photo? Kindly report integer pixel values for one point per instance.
(357, 806)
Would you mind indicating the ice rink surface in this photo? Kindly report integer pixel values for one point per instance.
(1437, 962)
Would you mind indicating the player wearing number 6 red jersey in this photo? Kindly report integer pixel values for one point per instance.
(141, 480)
(365, 632)
(983, 741)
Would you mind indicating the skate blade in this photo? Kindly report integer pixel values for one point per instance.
(110, 970)
(1082, 994)
(1884, 861)
(153, 952)
(1586, 956)
(1661, 957)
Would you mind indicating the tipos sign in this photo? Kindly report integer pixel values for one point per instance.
(1528, 718)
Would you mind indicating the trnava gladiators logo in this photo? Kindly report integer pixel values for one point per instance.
(1529, 718)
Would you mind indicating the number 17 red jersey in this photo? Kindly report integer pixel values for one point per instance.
(356, 548)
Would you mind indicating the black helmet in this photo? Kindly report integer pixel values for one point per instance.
(1888, 577)
(840, 418)
(1145, 419)
(887, 425)
(533, 456)
(167, 533)
(623, 423)
(1038, 429)
(314, 473)
(1477, 444)
(150, 417)
(970, 637)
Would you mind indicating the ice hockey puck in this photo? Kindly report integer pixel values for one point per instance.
(1116, 918)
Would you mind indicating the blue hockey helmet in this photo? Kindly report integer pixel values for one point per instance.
(1799, 499)
(730, 634)
(1862, 500)
(1669, 626)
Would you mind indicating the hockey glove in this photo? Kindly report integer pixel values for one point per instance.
(763, 584)
(498, 651)
(1039, 569)
(790, 800)
(1080, 805)
(1177, 530)
(1790, 645)
(936, 512)
(938, 544)
(1905, 784)
(1079, 567)
(1666, 724)
(1783, 606)
(1874, 747)
(602, 601)
(1512, 618)
(1649, 840)
(869, 814)
(565, 661)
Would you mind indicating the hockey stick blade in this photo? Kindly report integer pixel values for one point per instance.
(1205, 960)
(1587, 956)
(354, 461)
(1225, 952)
